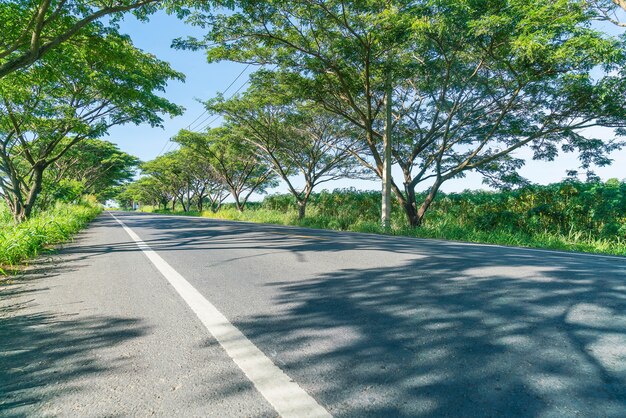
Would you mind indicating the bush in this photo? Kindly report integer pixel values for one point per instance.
(19, 242)
(569, 215)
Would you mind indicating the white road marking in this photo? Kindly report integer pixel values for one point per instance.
(285, 395)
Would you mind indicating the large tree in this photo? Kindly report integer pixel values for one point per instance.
(173, 171)
(99, 166)
(301, 142)
(233, 160)
(494, 80)
(183, 176)
(333, 52)
(469, 82)
(33, 28)
(147, 190)
(75, 93)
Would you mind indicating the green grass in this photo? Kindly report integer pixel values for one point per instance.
(20, 242)
(438, 226)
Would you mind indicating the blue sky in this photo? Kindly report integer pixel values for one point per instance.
(204, 81)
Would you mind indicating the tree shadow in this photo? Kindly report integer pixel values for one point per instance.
(181, 233)
(464, 335)
(458, 330)
(43, 355)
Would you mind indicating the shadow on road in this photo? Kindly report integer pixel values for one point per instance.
(459, 330)
(43, 355)
(463, 335)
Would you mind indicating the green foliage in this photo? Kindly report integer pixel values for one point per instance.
(100, 166)
(470, 81)
(19, 242)
(31, 29)
(231, 160)
(73, 94)
(66, 191)
(291, 136)
(91, 167)
(569, 215)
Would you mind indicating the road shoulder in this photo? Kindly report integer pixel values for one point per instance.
(95, 330)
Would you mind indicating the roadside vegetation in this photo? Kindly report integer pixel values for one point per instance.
(64, 82)
(572, 215)
(435, 89)
(73, 190)
(25, 240)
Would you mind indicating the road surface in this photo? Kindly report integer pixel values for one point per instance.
(197, 317)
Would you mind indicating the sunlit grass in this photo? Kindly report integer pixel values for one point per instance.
(19, 242)
(440, 224)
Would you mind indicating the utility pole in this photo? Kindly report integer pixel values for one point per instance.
(386, 198)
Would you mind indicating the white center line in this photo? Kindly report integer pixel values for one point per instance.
(285, 395)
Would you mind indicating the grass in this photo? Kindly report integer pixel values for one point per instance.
(438, 226)
(20, 242)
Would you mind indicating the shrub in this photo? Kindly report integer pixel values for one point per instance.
(19, 242)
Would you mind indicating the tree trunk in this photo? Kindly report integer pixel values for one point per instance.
(23, 210)
(19, 214)
(386, 189)
(216, 204)
(410, 206)
(238, 204)
(188, 208)
(427, 202)
(301, 209)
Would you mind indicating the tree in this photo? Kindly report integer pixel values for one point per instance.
(147, 190)
(471, 81)
(172, 172)
(333, 52)
(185, 177)
(233, 160)
(488, 85)
(73, 94)
(98, 165)
(33, 28)
(608, 10)
(291, 136)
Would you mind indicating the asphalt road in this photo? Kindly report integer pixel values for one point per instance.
(363, 324)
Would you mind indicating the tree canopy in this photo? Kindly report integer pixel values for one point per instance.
(75, 93)
(33, 28)
(298, 140)
(233, 160)
(471, 82)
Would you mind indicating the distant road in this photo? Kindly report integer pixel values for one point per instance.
(179, 316)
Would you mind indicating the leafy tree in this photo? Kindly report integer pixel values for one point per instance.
(333, 52)
(608, 10)
(497, 80)
(185, 178)
(205, 183)
(33, 28)
(147, 190)
(233, 161)
(72, 94)
(64, 190)
(172, 172)
(471, 82)
(291, 137)
(98, 165)
(180, 176)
